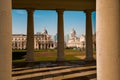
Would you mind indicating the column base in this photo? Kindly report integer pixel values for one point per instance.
(29, 59)
(89, 59)
(60, 59)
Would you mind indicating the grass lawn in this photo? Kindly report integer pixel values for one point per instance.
(50, 55)
(53, 58)
(49, 58)
(19, 60)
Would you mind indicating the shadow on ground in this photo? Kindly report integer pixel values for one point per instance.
(65, 70)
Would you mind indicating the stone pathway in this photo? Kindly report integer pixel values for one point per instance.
(56, 71)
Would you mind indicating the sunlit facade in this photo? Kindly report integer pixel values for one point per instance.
(74, 41)
(42, 40)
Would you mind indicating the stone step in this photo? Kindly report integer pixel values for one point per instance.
(60, 72)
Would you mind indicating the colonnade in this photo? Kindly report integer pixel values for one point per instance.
(45, 45)
(30, 39)
(60, 37)
(30, 36)
(20, 45)
(108, 39)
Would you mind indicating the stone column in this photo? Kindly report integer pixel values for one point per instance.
(5, 40)
(35, 42)
(37, 45)
(24, 44)
(17, 44)
(30, 35)
(44, 45)
(108, 40)
(21, 44)
(41, 45)
(60, 37)
(50, 45)
(89, 41)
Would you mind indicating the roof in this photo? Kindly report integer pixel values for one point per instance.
(79, 5)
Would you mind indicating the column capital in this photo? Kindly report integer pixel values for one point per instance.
(60, 10)
(89, 11)
(30, 10)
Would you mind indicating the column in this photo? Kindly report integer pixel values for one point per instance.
(5, 40)
(17, 45)
(35, 42)
(21, 44)
(60, 37)
(30, 36)
(44, 45)
(47, 45)
(37, 45)
(89, 41)
(108, 40)
(24, 45)
(50, 45)
(41, 45)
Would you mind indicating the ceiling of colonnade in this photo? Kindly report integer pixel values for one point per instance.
(54, 4)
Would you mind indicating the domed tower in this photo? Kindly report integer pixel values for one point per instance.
(45, 31)
(72, 33)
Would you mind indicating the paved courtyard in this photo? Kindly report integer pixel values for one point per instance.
(67, 70)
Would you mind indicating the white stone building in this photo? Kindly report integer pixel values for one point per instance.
(18, 41)
(74, 41)
(42, 40)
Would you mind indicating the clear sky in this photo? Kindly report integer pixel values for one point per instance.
(48, 19)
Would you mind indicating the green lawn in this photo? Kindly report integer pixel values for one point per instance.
(19, 60)
(49, 58)
(50, 55)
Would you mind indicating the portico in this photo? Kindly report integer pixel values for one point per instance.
(107, 56)
(60, 6)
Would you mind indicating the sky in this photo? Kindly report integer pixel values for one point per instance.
(48, 19)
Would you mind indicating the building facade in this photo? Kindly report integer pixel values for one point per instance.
(19, 41)
(78, 42)
(74, 41)
(42, 40)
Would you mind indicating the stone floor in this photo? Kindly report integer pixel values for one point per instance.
(69, 70)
